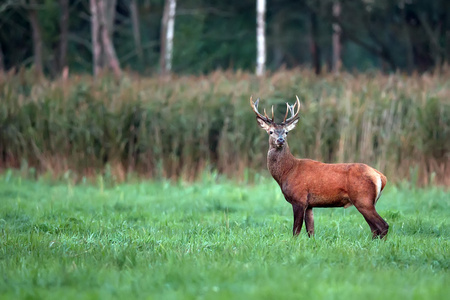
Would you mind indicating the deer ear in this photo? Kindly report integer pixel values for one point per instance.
(263, 124)
(291, 125)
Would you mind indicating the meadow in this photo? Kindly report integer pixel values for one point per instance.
(213, 239)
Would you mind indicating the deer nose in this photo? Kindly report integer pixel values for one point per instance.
(280, 140)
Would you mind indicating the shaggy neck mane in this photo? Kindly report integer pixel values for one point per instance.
(280, 161)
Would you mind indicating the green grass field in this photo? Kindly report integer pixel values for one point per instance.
(214, 239)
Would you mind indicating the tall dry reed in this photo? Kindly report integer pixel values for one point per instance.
(192, 124)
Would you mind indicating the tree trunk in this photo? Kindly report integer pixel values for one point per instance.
(37, 38)
(336, 39)
(64, 32)
(433, 37)
(260, 37)
(278, 51)
(136, 30)
(167, 32)
(2, 64)
(408, 43)
(110, 14)
(96, 44)
(447, 47)
(108, 46)
(315, 50)
(101, 38)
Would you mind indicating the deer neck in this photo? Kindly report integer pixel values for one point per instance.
(280, 162)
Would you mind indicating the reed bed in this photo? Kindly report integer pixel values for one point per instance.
(182, 127)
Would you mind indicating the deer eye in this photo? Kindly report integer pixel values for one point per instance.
(270, 132)
(287, 132)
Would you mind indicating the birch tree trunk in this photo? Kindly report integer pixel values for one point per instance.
(64, 32)
(260, 37)
(167, 33)
(37, 38)
(136, 31)
(336, 39)
(96, 44)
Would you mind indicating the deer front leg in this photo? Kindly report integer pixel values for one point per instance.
(309, 221)
(299, 213)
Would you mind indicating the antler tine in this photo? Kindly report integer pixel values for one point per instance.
(292, 110)
(254, 106)
(265, 114)
(287, 111)
(297, 103)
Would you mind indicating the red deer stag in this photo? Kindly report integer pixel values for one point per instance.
(306, 183)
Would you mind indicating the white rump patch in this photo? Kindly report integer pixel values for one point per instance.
(378, 187)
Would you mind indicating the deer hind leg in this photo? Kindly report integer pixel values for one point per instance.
(309, 221)
(377, 224)
(382, 225)
(373, 228)
(299, 213)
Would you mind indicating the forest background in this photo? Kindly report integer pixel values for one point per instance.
(391, 35)
(168, 94)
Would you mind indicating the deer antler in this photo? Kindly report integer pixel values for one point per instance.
(290, 108)
(265, 118)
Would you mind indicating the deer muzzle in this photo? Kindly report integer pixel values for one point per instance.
(280, 142)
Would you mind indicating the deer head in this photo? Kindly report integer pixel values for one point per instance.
(277, 132)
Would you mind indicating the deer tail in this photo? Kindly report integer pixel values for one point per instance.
(381, 183)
